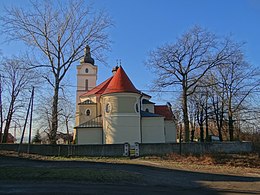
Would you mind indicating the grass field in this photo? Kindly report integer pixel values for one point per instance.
(71, 174)
(222, 163)
(221, 174)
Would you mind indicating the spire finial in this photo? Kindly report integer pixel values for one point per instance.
(116, 67)
(87, 56)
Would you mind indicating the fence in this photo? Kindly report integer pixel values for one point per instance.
(117, 150)
(195, 148)
(113, 150)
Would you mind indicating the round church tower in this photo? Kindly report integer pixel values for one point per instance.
(121, 110)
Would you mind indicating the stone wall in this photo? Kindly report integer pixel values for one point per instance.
(195, 148)
(69, 150)
(117, 150)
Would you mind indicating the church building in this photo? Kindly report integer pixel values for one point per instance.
(115, 112)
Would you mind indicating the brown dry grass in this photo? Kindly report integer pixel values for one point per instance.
(251, 160)
(237, 160)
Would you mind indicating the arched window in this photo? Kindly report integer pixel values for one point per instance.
(88, 112)
(108, 107)
(146, 110)
(86, 70)
(136, 107)
(86, 84)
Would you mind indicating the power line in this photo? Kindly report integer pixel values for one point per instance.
(156, 91)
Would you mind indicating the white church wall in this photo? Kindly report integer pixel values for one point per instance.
(82, 116)
(170, 131)
(121, 121)
(89, 135)
(91, 69)
(83, 75)
(122, 128)
(153, 130)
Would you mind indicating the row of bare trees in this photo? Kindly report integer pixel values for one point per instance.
(55, 34)
(215, 81)
(15, 81)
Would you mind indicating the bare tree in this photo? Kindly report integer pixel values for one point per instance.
(17, 79)
(217, 98)
(199, 103)
(65, 114)
(186, 61)
(59, 31)
(239, 79)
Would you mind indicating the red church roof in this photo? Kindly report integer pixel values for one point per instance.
(98, 90)
(165, 111)
(120, 82)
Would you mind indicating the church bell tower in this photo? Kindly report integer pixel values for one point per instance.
(86, 75)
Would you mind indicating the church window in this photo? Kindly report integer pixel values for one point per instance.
(88, 112)
(136, 108)
(146, 110)
(86, 70)
(86, 84)
(108, 108)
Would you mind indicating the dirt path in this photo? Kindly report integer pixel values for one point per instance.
(155, 180)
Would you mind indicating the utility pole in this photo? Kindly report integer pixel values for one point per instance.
(24, 127)
(30, 128)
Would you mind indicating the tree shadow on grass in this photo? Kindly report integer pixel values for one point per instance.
(153, 180)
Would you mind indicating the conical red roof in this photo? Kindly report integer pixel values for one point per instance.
(98, 90)
(120, 83)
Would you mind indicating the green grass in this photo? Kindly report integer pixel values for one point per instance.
(67, 174)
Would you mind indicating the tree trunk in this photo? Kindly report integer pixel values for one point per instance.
(219, 117)
(192, 134)
(8, 122)
(201, 126)
(185, 115)
(207, 125)
(221, 123)
(67, 128)
(219, 126)
(54, 121)
(230, 121)
(231, 127)
(207, 119)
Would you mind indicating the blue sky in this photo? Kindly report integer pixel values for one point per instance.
(142, 25)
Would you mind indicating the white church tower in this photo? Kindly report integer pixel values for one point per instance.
(86, 76)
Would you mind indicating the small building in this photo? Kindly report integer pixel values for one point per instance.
(61, 138)
(10, 138)
(116, 112)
